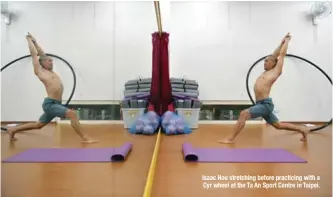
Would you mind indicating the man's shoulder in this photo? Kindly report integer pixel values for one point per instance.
(273, 75)
(43, 74)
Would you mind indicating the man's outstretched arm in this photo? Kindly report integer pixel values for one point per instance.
(38, 47)
(279, 65)
(34, 55)
(277, 51)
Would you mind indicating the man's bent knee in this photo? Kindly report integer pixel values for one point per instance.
(39, 125)
(277, 125)
(245, 114)
(71, 114)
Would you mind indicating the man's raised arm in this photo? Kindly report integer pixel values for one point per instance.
(283, 52)
(34, 55)
(276, 53)
(38, 47)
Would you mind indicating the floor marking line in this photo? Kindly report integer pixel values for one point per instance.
(152, 168)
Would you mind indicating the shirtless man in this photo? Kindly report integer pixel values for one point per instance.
(43, 69)
(264, 105)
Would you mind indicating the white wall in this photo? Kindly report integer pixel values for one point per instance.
(110, 42)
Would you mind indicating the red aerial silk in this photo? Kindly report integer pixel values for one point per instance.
(155, 78)
(160, 92)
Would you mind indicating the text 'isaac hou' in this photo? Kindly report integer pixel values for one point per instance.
(259, 178)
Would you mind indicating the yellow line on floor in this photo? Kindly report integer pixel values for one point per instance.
(152, 168)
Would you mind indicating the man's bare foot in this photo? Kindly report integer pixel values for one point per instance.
(11, 133)
(305, 132)
(87, 140)
(226, 141)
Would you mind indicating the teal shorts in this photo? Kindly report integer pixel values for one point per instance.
(52, 108)
(264, 108)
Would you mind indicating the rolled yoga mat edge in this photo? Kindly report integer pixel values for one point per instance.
(71, 155)
(188, 153)
(120, 154)
(240, 155)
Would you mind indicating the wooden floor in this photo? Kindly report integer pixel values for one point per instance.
(173, 178)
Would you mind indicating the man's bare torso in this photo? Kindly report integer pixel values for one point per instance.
(263, 84)
(52, 83)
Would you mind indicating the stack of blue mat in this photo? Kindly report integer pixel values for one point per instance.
(134, 103)
(181, 88)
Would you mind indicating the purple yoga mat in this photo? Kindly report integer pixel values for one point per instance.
(61, 155)
(228, 155)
